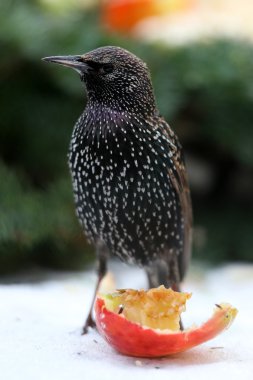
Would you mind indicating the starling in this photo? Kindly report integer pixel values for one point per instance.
(129, 178)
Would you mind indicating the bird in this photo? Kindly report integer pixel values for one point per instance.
(130, 183)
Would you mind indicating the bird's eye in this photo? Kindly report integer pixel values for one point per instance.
(107, 69)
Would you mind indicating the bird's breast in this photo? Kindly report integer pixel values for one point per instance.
(123, 192)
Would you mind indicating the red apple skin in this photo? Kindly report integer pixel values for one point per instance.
(134, 340)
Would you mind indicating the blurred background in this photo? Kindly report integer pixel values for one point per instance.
(200, 54)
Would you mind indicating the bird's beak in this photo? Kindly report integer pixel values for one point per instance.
(76, 62)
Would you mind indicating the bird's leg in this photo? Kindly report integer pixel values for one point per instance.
(176, 285)
(152, 277)
(176, 288)
(101, 271)
(157, 273)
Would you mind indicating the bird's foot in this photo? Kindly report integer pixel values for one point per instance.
(89, 323)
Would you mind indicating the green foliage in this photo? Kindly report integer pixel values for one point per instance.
(205, 90)
(227, 232)
(38, 225)
(215, 80)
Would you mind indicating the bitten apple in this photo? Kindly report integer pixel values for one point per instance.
(146, 323)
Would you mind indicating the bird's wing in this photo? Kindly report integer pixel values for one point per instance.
(180, 183)
(178, 176)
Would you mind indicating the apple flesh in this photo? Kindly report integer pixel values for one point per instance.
(133, 339)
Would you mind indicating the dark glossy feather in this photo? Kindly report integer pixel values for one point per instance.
(130, 187)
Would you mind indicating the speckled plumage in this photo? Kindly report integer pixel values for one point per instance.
(129, 180)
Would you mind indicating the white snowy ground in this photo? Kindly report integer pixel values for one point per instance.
(40, 330)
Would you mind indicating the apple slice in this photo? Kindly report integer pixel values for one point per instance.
(146, 323)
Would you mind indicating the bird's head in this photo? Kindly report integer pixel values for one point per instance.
(113, 77)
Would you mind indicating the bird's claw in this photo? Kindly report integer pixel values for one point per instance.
(89, 323)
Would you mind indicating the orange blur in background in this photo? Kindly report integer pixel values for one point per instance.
(123, 15)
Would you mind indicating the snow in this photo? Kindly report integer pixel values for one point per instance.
(40, 329)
